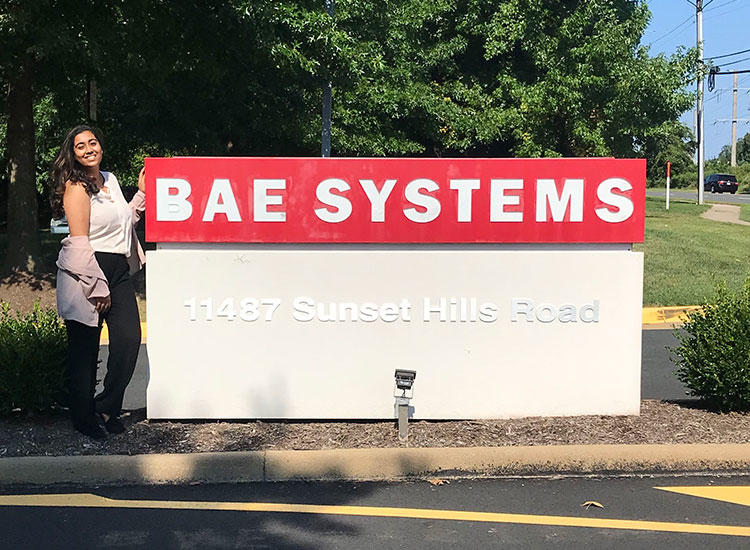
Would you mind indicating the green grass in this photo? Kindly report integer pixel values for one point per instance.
(745, 212)
(686, 255)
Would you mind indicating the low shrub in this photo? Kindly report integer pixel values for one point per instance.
(32, 359)
(714, 353)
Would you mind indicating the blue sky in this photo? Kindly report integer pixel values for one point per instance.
(726, 29)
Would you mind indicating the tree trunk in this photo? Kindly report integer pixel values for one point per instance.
(24, 248)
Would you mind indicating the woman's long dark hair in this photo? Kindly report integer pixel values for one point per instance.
(66, 168)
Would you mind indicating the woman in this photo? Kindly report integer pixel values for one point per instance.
(93, 278)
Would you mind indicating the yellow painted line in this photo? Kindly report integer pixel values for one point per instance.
(670, 314)
(730, 493)
(88, 500)
(104, 339)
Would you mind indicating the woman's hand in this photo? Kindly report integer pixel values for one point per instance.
(102, 304)
(142, 180)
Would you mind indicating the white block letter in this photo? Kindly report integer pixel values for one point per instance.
(488, 312)
(623, 204)
(172, 208)
(568, 314)
(221, 201)
(377, 198)
(262, 200)
(465, 189)
(342, 205)
(498, 201)
(590, 312)
(304, 309)
(546, 313)
(572, 195)
(521, 306)
(428, 202)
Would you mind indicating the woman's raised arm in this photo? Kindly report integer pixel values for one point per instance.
(77, 206)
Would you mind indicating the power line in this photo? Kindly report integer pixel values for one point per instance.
(714, 103)
(690, 19)
(716, 108)
(713, 16)
(720, 5)
(728, 54)
(704, 5)
(730, 63)
(695, 5)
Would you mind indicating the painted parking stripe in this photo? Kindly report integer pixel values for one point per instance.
(88, 500)
(104, 339)
(670, 314)
(736, 494)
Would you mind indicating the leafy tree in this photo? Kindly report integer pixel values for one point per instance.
(505, 78)
(43, 45)
(743, 151)
(185, 77)
(671, 142)
(230, 78)
(410, 77)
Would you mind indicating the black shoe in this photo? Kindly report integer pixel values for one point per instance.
(114, 425)
(91, 429)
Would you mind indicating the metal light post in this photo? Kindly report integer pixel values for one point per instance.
(325, 134)
(699, 109)
(734, 123)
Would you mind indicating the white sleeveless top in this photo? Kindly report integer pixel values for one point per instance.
(111, 219)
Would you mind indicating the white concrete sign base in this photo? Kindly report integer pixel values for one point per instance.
(243, 332)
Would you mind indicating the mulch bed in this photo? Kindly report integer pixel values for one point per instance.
(21, 290)
(659, 422)
(51, 434)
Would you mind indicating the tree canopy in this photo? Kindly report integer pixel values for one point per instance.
(743, 151)
(410, 78)
(510, 78)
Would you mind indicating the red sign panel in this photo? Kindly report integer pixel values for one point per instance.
(395, 200)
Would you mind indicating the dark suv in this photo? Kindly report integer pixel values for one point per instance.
(718, 183)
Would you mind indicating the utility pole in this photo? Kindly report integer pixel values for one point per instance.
(699, 82)
(734, 122)
(91, 100)
(695, 132)
(325, 134)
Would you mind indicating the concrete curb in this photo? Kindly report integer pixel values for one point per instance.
(372, 464)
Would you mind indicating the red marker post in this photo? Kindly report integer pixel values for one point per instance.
(669, 170)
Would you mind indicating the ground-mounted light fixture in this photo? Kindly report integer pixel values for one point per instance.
(404, 384)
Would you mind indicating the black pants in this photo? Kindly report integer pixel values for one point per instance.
(124, 327)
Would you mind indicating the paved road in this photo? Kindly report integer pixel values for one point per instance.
(507, 513)
(657, 378)
(657, 370)
(707, 197)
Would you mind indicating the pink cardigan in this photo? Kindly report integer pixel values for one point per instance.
(79, 277)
